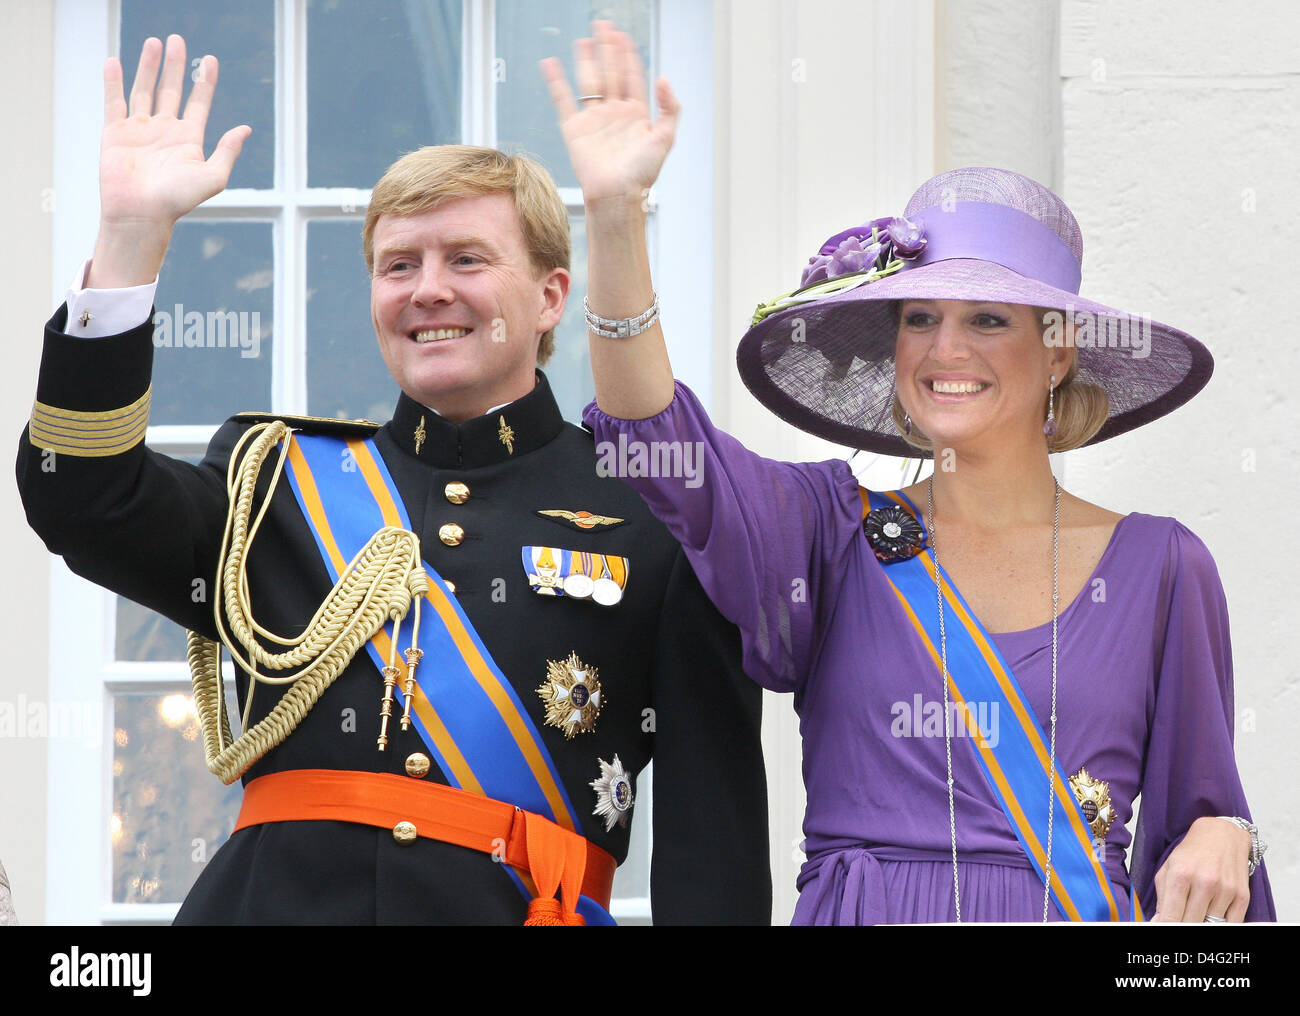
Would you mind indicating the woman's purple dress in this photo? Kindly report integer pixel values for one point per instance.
(1144, 692)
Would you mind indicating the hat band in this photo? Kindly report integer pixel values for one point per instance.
(997, 233)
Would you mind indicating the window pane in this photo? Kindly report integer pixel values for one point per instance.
(142, 636)
(569, 369)
(241, 35)
(383, 78)
(346, 376)
(169, 813)
(145, 637)
(212, 329)
(528, 31)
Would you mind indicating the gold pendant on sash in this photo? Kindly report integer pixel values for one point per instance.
(572, 696)
(1094, 801)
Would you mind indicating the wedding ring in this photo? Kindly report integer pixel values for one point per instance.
(1211, 919)
(584, 98)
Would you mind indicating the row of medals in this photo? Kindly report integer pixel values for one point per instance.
(604, 591)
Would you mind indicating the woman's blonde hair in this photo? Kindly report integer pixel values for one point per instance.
(1080, 408)
(427, 177)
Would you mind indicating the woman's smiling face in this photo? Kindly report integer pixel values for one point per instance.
(966, 371)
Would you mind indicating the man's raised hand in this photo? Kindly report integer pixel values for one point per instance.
(151, 165)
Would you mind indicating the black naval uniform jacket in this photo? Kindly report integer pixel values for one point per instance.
(147, 526)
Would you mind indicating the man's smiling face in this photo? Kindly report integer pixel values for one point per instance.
(458, 306)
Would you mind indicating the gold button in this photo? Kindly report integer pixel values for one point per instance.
(457, 493)
(451, 534)
(451, 586)
(404, 833)
(417, 764)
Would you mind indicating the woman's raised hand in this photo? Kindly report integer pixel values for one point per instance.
(617, 152)
(616, 149)
(151, 165)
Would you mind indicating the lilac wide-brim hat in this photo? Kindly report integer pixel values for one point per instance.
(822, 357)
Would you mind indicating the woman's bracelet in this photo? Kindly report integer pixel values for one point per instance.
(1257, 846)
(621, 328)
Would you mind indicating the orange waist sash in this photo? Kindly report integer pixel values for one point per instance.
(556, 858)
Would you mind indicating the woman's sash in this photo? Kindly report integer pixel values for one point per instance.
(1017, 764)
(463, 707)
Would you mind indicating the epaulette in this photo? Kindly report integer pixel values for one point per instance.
(313, 424)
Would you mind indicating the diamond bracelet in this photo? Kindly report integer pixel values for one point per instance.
(621, 328)
(1257, 846)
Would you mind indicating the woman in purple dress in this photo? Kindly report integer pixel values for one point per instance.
(988, 670)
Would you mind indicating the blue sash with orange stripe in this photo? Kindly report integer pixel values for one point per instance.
(1017, 766)
(466, 711)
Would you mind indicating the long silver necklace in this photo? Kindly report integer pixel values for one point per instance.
(947, 712)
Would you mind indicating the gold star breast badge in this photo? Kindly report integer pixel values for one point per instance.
(572, 696)
(1094, 801)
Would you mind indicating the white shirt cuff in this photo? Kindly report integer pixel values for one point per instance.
(96, 313)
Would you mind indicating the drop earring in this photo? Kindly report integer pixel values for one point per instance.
(1049, 425)
(907, 424)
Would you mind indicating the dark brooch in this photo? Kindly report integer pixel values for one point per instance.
(893, 533)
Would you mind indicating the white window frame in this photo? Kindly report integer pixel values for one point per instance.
(82, 665)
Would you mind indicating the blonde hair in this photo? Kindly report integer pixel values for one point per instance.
(1080, 408)
(426, 178)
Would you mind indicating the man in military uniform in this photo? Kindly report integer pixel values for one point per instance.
(563, 639)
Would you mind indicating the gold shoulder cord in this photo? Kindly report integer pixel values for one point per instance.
(378, 584)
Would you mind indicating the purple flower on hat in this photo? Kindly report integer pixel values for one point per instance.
(908, 237)
(818, 269)
(862, 248)
(852, 255)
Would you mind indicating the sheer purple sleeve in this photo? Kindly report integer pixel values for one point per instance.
(1190, 770)
(768, 540)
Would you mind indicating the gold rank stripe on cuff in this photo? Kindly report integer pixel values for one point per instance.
(90, 435)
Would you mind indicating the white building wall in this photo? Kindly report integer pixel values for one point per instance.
(1181, 145)
(26, 181)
